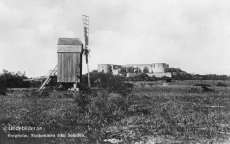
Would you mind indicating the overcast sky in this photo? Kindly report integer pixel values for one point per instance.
(193, 35)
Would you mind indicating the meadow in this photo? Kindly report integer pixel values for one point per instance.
(150, 113)
(185, 82)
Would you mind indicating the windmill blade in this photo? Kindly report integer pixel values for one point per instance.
(86, 34)
(86, 28)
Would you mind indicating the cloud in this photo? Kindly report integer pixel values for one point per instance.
(193, 35)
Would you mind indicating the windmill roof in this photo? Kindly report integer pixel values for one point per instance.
(69, 41)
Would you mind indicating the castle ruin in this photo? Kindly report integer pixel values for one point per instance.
(156, 69)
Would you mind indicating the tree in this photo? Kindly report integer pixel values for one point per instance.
(166, 79)
(94, 71)
(10, 80)
(122, 71)
(137, 70)
(153, 78)
(177, 76)
(130, 69)
(187, 76)
(145, 70)
(173, 70)
(141, 77)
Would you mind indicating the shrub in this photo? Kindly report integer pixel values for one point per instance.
(115, 84)
(130, 69)
(221, 84)
(206, 85)
(166, 79)
(100, 111)
(10, 79)
(108, 108)
(145, 70)
(3, 91)
(41, 93)
(83, 101)
(109, 82)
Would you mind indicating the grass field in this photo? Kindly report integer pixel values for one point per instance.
(150, 114)
(186, 82)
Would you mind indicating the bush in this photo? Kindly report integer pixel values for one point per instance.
(206, 85)
(83, 100)
(99, 111)
(111, 106)
(41, 93)
(116, 84)
(109, 82)
(141, 77)
(166, 79)
(3, 91)
(12, 80)
(107, 108)
(221, 84)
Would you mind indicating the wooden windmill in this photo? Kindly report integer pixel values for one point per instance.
(86, 34)
(69, 67)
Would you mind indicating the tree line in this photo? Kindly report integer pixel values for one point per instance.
(177, 74)
(13, 80)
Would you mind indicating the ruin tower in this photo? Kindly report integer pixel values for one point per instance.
(159, 67)
(106, 68)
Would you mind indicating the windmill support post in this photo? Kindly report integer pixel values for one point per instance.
(88, 75)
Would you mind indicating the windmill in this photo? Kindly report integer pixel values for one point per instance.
(86, 34)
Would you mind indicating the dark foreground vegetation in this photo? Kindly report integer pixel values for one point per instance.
(13, 80)
(148, 115)
(117, 113)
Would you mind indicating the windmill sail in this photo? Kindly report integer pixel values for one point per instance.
(86, 34)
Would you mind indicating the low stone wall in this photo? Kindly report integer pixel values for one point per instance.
(159, 75)
(133, 74)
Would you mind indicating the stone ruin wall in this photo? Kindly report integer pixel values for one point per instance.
(152, 68)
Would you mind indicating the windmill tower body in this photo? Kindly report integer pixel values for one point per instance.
(69, 60)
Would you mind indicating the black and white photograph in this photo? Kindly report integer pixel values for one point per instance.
(114, 72)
